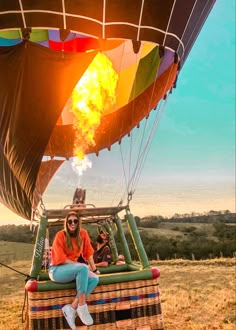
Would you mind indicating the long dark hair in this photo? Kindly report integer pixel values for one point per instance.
(77, 232)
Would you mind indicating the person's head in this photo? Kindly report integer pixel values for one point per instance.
(79, 196)
(103, 237)
(72, 226)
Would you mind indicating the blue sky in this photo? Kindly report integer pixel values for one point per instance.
(190, 165)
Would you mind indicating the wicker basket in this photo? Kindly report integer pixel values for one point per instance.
(126, 305)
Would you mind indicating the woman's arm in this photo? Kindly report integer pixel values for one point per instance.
(92, 265)
(68, 261)
(102, 264)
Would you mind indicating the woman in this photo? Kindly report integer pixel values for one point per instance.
(68, 245)
(102, 256)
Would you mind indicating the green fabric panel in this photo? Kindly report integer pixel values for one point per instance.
(146, 73)
(35, 35)
(39, 35)
(10, 34)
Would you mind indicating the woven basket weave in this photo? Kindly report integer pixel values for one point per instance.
(127, 305)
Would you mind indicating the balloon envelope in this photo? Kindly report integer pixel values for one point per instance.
(45, 49)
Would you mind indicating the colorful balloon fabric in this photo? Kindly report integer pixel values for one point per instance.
(46, 48)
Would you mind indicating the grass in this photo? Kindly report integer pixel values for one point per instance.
(179, 230)
(15, 251)
(195, 295)
(198, 295)
(12, 295)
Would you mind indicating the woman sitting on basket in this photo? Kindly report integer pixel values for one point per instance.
(67, 246)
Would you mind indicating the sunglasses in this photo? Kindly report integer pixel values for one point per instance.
(70, 221)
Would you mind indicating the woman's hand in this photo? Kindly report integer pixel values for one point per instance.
(92, 265)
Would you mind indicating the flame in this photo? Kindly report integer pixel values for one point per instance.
(93, 94)
(79, 166)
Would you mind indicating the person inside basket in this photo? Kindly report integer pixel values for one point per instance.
(102, 256)
(68, 245)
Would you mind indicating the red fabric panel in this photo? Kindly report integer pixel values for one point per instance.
(75, 45)
(84, 44)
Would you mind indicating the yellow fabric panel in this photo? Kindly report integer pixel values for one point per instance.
(147, 47)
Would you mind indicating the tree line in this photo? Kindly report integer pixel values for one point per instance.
(195, 244)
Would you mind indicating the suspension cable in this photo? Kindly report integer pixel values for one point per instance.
(144, 129)
(140, 161)
(147, 145)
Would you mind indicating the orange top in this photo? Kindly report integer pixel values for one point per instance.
(60, 252)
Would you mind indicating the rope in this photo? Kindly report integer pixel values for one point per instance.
(17, 271)
(142, 150)
(23, 318)
(143, 154)
(147, 145)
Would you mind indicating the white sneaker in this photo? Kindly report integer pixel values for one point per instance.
(84, 314)
(69, 314)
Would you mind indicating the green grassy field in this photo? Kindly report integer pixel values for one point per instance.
(194, 294)
(12, 251)
(177, 230)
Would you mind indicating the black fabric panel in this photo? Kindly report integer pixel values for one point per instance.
(11, 21)
(52, 5)
(9, 5)
(11, 193)
(123, 11)
(201, 12)
(152, 19)
(81, 24)
(35, 84)
(36, 19)
(93, 9)
(163, 12)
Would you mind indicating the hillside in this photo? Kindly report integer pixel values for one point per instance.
(181, 236)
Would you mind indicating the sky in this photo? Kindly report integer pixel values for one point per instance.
(190, 165)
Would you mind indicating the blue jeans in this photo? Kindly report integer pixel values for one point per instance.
(86, 280)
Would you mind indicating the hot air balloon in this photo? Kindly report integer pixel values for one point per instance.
(75, 78)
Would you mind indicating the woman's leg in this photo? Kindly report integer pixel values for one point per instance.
(68, 273)
(85, 283)
(92, 282)
(82, 308)
(86, 280)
